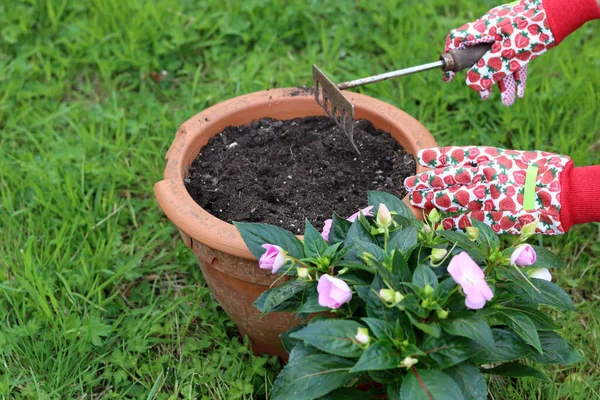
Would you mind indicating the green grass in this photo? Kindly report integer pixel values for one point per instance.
(98, 296)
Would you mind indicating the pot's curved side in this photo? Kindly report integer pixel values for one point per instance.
(236, 296)
(283, 104)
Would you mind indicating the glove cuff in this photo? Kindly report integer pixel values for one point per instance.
(579, 195)
(566, 16)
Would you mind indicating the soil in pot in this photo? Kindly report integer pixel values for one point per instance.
(281, 172)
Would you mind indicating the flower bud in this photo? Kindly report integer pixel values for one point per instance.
(387, 295)
(540, 273)
(434, 216)
(428, 290)
(408, 362)
(442, 314)
(438, 254)
(426, 229)
(523, 255)
(528, 230)
(384, 217)
(472, 232)
(302, 272)
(362, 336)
(398, 297)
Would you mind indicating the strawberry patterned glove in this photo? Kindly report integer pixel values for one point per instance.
(503, 188)
(519, 32)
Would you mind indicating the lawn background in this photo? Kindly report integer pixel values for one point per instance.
(98, 296)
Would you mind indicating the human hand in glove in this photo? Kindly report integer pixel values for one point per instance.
(506, 189)
(519, 32)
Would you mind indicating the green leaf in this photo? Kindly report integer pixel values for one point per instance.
(357, 277)
(487, 238)
(393, 390)
(556, 351)
(357, 233)
(429, 385)
(541, 319)
(424, 275)
(270, 299)
(356, 265)
(333, 252)
(516, 276)
(431, 328)
(400, 267)
(311, 377)
(548, 293)
(333, 336)
(339, 229)
(413, 304)
(546, 259)
(471, 326)
(375, 306)
(314, 244)
(447, 351)
(522, 326)
(470, 381)
(443, 291)
(460, 239)
(381, 329)
(255, 235)
(310, 303)
(508, 347)
(363, 246)
(405, 240)
(345, 394)
(515, 370)
(378, 356)
(300, 350)
(392, 203)
(289, 342)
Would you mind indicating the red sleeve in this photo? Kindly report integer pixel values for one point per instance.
(566, 16)
(579, 195)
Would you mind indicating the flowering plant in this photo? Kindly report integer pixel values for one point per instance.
(404, 308)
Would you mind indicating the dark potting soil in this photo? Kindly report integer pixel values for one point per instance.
(281, 172)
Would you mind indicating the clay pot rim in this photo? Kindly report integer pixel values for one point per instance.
(195, 222)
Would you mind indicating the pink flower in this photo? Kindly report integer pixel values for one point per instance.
(523, 255)
(326, 228)
(366, 212)
(470, 277)
(333, 292)
(273, 258)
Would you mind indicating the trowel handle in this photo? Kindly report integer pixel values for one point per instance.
(459, 59)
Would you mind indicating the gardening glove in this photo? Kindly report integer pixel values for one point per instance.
(506, 189)
(520, 31)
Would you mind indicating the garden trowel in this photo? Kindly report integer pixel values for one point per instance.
(330, 97)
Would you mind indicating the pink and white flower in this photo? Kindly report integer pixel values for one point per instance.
(273, 258)
(326, 229)
(471, 278)
(333, 292)
(523, 256)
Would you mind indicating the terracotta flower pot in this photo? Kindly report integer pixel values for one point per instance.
(229, 268)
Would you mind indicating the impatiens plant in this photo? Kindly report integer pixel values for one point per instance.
(393, 306)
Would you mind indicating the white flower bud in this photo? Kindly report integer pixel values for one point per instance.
(384, 217)
(387, 295)
(302, 272)
(362, 336)
(408, 362)
(438, 254)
